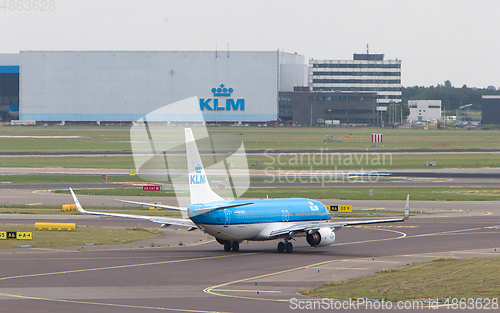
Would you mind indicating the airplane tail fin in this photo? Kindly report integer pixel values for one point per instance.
(407, 209)
(199, 189)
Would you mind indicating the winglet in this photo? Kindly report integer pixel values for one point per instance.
(77, 203)
(407, 210)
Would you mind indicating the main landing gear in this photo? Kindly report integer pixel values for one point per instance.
(285, 246)
(229, 245)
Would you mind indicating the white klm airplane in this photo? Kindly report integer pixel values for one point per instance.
(232, 222)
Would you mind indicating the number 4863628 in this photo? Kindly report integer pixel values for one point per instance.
(28, 5)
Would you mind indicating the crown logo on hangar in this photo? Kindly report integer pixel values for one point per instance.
(217, 103)
(222, 91)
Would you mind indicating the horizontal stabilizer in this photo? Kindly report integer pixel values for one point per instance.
(154, 205)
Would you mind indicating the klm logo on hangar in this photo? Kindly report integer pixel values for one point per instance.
(230, 104)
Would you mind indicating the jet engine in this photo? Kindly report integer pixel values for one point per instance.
(323, 237)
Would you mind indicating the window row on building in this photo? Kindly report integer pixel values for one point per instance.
(356, 65)
(340, 98)
(357, 73)
(341, 88)
(366, 72)
(356, 81)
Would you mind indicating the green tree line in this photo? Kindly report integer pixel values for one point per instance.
(451, 97)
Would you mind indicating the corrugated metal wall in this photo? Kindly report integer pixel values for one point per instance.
(124, 86)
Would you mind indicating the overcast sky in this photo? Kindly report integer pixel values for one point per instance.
(436, 40)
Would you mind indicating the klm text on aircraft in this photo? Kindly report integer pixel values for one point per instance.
(197, 178)
(230, 104)
(234, 221)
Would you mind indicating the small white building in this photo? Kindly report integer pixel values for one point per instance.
(424, 110)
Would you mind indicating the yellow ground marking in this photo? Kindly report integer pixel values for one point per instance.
(444, 233)
(394, 226)
(125, 266)
(371, 260)
(346, 268)
(38, 191)
(96, 258)
(196, 243)
(403, 235)
(253, 291)
(117, 248)
(105, 304)
(213, 289)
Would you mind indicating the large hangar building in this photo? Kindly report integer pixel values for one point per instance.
(118, 86)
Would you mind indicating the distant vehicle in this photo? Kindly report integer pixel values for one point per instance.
(234, 221)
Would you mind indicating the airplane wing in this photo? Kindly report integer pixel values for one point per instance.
(165, 221)
(315, 226)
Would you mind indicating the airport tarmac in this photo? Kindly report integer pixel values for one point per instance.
(200, 277)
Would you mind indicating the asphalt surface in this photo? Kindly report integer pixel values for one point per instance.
(200, 277)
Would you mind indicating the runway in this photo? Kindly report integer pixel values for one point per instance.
(201, 277)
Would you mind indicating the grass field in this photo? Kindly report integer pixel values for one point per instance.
(111, 162)
(379, 193)
(372, 161)
(111, 138)
(467, 278)
(81, 237)
(134, 192)
(117, 138)
(303, 161)
(51, 210)
(68, 179)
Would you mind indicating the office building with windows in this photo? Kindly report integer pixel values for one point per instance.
(365, 73)
(314, 108)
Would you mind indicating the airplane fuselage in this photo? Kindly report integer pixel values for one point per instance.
(257, 220)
